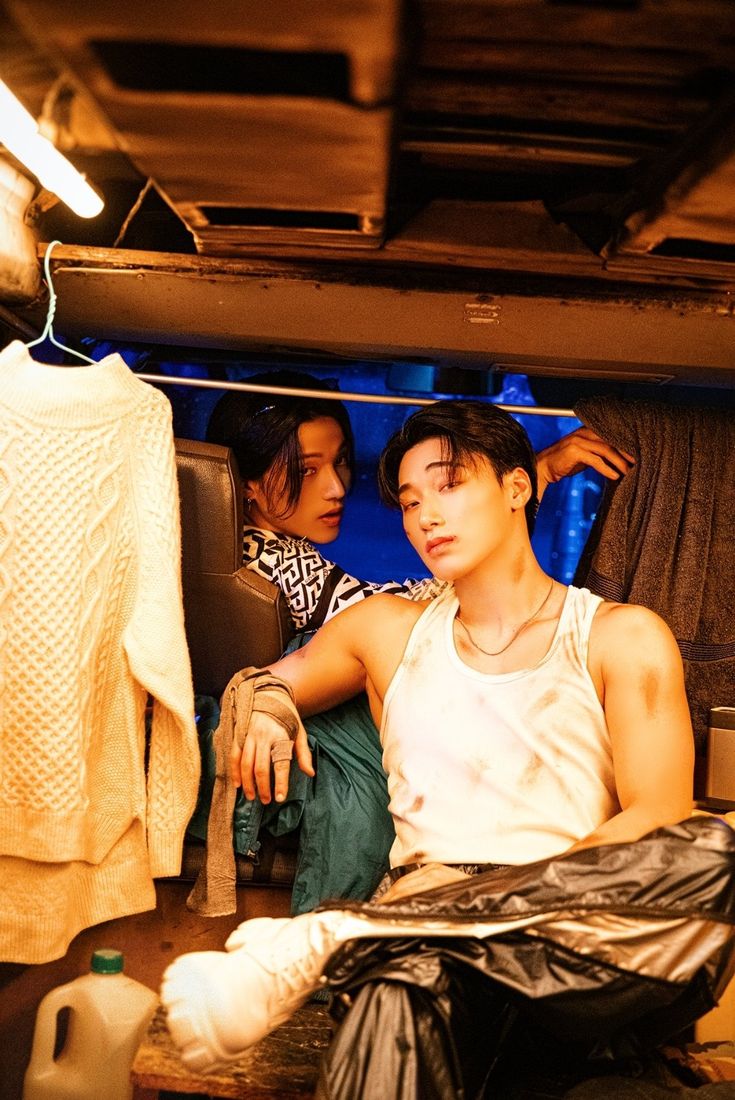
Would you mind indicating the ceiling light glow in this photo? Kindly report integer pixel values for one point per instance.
(20, 135)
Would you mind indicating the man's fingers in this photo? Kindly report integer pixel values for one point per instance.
(241, 767)
(610, 465)
(281, 753)
(590, 444)
(281, 772)
(262, 767)
(579, 449)
(281, 767)
(618, 460)
(262, 772)
(247, 763)
(303, 752)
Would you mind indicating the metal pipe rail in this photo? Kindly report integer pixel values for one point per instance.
(333, 395)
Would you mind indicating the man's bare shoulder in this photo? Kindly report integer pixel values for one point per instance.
(378, 610)
(612, 616)
(372, 634)
(629, 629)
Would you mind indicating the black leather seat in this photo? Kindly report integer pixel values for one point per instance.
(234, 617)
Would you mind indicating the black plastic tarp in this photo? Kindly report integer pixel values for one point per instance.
(601, 954)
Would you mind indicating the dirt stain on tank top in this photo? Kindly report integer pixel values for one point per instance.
(549, 699)
(531, 771)
(414, 661)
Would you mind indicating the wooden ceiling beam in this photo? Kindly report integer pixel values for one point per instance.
(562, 102)
(691, 196)
(685, 28)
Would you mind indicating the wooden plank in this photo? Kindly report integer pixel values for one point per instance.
(692, 193)
(705, 213)
(503, 235)
(376, 312)
(575, 61)
(593, 104)
(488, 150)
(671, 269)
(484, 230)
(686, 27)
(283, 1066)
(305, 265)
(390, 265)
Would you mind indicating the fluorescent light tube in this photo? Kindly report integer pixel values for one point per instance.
(19, 134)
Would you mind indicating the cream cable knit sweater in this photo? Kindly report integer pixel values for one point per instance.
(91, 623)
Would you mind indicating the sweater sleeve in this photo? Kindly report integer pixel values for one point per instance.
(155, 641)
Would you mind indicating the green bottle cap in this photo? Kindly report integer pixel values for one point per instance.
(107, 961)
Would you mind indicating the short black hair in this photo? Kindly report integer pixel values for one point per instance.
(467, 430)
(262, 430)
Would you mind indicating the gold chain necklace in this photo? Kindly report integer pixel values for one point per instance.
(521, 628)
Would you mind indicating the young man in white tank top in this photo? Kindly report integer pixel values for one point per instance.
(519, 718)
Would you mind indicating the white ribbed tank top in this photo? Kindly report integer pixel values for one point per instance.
(505, 768)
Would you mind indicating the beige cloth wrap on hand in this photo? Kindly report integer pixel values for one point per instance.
(250, 690)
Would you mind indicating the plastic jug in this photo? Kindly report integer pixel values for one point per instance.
(108, 1015)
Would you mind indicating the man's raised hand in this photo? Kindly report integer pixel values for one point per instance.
(576, 451)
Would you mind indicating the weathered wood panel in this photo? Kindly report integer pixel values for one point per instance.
(555, 102)
(685, 28)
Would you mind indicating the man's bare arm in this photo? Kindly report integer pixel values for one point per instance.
(329, 669)
(637, 660)
(366, 639)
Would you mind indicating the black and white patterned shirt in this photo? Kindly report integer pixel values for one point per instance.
(316, 589)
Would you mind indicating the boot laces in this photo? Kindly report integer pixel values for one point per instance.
(297, 961)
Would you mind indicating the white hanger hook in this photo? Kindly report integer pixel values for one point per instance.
(48, 329)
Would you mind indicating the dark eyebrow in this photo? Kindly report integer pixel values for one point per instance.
(443, 464)
(320, 454)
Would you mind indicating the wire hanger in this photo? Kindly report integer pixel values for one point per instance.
(48, 331)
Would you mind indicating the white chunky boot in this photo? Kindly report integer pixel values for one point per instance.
(221, 1002)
